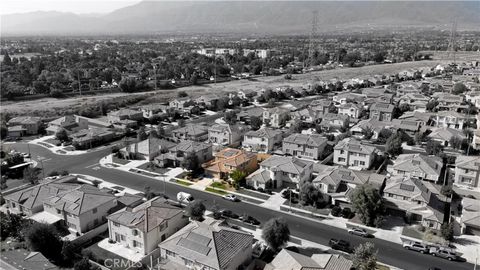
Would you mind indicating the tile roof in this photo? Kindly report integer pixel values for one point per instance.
(80, 200)
(192, 130)
(408, 187)
(445, 134)
(430, 165)
(209, 244)
(188, 146)
(306, 139)
(468, 162)
(25, 120)
(335, 175)
(147, 216)
(352, 145)
(382, 107)
(287, 259)
(264, 133)
(286, 164)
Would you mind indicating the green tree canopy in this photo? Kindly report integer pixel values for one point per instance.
(196, 210)
(365, 257)
(368, 204)
(276, 233)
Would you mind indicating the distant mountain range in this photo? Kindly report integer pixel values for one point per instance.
(261, 17)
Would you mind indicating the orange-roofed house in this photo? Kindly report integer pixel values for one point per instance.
(230, 159)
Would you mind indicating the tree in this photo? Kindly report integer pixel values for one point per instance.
(365, 257)
(369, 204)
(447, 231)
(61, 135)
(56, 93)
(196, 210)
(433, 148)
(455, 142)
(393, 146)
(182, 94)
(160, 131)
(3, 131)
(10, 225)
(309, 194)
(68, 252)
(149, 194)
(181, 123)
(276, 233)
(230, 117)
(238, 178)
(7, 61)
(367, 133)
(45, 239)
(190, 162)
(84, 264)
(30, 175)
(383, 135)
(431, 105)
(255, 122)
(141, 134)
(459, 88)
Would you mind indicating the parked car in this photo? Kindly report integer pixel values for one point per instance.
(358, 231)
(231, 197)
(445, 253)
(341, 245)
(228, 213)
(250, 220)
(416, 246)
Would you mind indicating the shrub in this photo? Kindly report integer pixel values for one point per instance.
(336, 211)
(53, 173)
(347, 213)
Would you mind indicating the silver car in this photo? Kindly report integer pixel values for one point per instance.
(359, 232)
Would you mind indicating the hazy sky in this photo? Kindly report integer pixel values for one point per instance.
(86, 6)
(76, 6)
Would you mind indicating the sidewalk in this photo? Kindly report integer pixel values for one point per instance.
(59, 150)
(274, 202)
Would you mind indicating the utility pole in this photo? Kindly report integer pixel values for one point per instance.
(313, 34)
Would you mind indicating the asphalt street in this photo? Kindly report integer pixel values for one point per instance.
(388, 252)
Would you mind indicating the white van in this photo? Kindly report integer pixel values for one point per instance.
(183, 197)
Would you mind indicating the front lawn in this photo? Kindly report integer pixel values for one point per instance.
(219, 185)
(217, 191)
(411, 231)
(119, 160)
(184, 183)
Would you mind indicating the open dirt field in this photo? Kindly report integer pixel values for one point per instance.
(31, 107)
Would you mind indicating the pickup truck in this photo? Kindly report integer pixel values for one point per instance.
(445, 253)
(416, 246)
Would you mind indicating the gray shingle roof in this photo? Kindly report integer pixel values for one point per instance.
(286, 164)
(306, 139)
(352, 145)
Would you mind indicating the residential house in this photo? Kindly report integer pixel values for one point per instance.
(143, 227)
(306, 116)
(247, 94)
(206, 245)
(338, 182)
(411, 197)
(290, 260)
(262, 140)
(381, 112)
(180, 103)
(247, 114)
(23, 259)
(275, 117)
(348, 97)
(423, 118)
(447, 101)
(417, 166)
(450, 119)
(445, 134)
(351, 110)
(225, 134)
(209, 100)
(147, 149)
(228, 160)
(89, 138)
(470, 219)
(350, 152)
(369, 124)
(467, 171)
(334, 121)
(278, 171)
(409, 127)
(124, 114)
(28, 124)
(309, 146)
(70, 123)
(321, 107)
(153, 109)
(176, 154)
(29, 201)
(82, 208)
(193, 132)
(416, 102)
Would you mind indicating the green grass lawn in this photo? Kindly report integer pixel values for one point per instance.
(218, 185)
(412, 232)
(184, 183)
(119, 160)
(217, 191)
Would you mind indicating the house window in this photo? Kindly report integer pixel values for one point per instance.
(187, 262)
(134, 232)
(116, 224)
(341, 159)
(341, 152)
(59, 211)
(71, 225)
(362, 163)
(94, 210)
(137, 244)
(169, 253)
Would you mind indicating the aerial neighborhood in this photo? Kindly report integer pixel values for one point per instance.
(239, 156)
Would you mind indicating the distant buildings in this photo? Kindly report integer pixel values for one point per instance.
(23, 125)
